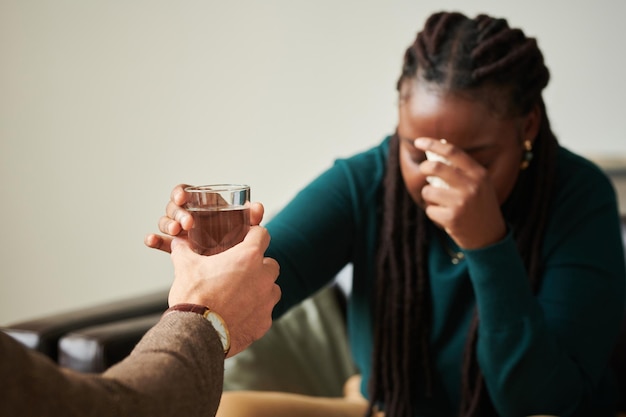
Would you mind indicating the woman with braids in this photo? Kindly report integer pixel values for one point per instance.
(498, 294)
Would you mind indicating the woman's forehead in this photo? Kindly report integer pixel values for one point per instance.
(434, 112)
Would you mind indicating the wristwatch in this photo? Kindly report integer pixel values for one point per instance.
(212, 317)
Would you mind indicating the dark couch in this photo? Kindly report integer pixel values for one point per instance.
(92, 339)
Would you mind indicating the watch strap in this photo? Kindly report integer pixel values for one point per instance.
(204, 312)
(190, 308)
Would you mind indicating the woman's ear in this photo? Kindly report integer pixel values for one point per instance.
(531, 124)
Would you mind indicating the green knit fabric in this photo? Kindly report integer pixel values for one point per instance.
(543, 354)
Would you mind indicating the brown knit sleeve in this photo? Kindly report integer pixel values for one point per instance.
(176, 368)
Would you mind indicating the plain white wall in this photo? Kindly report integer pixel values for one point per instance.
(106, 105)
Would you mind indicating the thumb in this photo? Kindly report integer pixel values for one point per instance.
(180, 247)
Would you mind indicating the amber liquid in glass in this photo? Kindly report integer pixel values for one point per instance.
(218, 229)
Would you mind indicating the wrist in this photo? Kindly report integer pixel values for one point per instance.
(211, 316)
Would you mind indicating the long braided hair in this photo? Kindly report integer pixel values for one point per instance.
(499, 65)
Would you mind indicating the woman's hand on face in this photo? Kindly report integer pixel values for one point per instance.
(468, 210)
(177, 220)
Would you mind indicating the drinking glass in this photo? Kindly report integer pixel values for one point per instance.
(221, 216)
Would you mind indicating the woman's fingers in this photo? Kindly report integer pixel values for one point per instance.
(457, 160)
(468, 207)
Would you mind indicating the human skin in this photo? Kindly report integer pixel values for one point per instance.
(484, 149)
(181, 221)
(239, 284)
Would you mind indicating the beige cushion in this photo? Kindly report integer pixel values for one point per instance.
(306, 352)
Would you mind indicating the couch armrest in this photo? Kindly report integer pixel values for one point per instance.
(96, 348)
(43, 334)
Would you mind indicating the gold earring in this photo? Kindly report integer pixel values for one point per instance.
(528, 155)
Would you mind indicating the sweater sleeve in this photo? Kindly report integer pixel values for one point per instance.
(546, 353)
(176, 369)
(315, 235)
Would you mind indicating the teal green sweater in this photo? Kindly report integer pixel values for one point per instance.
(539, 354)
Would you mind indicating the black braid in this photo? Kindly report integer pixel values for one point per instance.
(500, 65)
(401, 302)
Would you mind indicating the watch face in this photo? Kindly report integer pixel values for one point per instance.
(220, 328)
